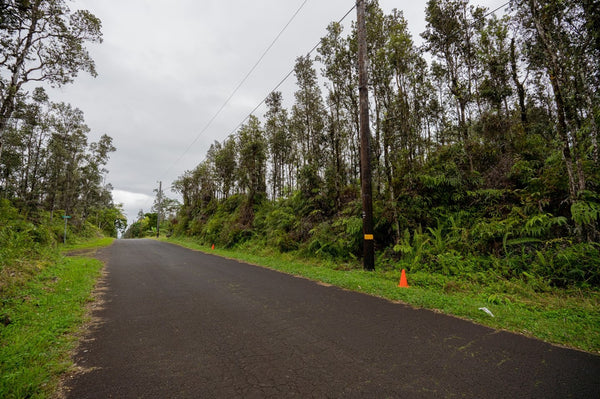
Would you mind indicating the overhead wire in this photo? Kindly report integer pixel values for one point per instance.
(277, 86)
(308, 54)
(233, 93)
(496, 9)
(235, 90)
(286, 77)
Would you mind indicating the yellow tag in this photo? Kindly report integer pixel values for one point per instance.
(368, 236)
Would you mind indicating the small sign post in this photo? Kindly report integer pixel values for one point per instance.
(66, 217)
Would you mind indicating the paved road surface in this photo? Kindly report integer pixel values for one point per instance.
(182, 324)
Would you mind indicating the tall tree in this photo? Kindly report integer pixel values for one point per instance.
(338, 56)
(404, 98)
(279, 141)
(561, 45)
(66, 147)
(518, 83)
(494, 52)
(252, 150)
(92, 192)
(36, 129)
(41, 40)
(380, 76)
(449, 37)
(308, 113)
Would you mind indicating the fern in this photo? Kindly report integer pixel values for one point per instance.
(404, 246)
(585, 212)
(439, 239)
(539, 225)
(413, 248)
(522, 241)
(536, 227)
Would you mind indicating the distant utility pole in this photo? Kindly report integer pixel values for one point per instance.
(365, 148)
(159, 209)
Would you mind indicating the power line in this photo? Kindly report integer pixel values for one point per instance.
(308, 54)
(496, 9)
(282, 81)
(205, 128)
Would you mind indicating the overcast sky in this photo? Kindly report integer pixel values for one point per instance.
(167, 66)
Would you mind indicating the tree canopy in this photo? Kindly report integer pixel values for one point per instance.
(47, 163)
(42, 41)
(484, 146)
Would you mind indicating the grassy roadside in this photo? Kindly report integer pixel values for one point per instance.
(88, 244)
(39, 320)
(564, 317)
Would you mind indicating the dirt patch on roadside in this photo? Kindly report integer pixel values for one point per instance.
(85, 332)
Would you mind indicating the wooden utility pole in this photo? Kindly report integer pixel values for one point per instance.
(365, 148)
(159, 209)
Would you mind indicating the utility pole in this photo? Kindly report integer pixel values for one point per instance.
(159, 208)
(365, 148)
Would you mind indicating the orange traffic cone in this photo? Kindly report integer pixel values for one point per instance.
(213, 247)
(403, 283)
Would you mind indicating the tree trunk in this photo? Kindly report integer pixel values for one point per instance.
(562, 132)
(519, 85)
(390, 181)
(553, 69)
(8, 101)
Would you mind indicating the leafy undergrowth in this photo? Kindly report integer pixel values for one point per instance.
(569, 317)
(37, 326)
(85, 245)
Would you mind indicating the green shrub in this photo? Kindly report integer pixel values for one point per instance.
(20, 238)
(567, 265)
(283, 242)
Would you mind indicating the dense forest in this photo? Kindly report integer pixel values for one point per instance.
(48, 167)
(484, 148)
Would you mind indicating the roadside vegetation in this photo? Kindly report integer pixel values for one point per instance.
(49, 172)
(40, 322)
(43, 297)
(485, 159)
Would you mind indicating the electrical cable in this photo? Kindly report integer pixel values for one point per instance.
(308, 54)
(496, 9)
(281, 82)
(205, 128)
(285, 78)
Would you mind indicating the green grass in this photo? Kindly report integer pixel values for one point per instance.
(41, 318)
(87, 244)
(564, 317)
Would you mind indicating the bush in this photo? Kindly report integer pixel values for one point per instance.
(566, 265)
(20, 238)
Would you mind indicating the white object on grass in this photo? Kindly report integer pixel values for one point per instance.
(486, 310)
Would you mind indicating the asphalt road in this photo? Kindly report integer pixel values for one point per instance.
(182, 324)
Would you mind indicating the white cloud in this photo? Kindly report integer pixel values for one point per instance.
(132, 203)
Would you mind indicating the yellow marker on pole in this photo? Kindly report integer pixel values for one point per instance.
(369, 237)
